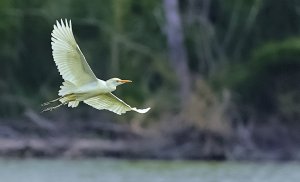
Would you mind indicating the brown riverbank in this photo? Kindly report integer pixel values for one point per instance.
(35, 136)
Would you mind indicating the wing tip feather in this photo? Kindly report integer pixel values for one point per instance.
(142, 111)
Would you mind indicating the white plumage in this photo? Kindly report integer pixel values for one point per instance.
(80, 83)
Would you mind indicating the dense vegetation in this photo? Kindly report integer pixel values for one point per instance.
(234, 75)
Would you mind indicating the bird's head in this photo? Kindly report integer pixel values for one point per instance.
(114, 82)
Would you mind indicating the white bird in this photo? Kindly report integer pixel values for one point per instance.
(80, 83)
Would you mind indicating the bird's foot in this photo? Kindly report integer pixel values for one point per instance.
(45, 104)
(48, 109)
(52, 108)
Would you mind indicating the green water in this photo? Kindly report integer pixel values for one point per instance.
(105, 170)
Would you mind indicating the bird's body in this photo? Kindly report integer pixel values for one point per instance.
(90, 90)
(80, 83)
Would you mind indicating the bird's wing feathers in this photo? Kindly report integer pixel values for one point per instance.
(68, 57)
(112, 103)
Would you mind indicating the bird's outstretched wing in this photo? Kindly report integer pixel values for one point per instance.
(112, 103)
(68, 57)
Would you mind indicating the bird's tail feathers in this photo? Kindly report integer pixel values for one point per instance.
(66, 88)
(70, 99)
(73, 104)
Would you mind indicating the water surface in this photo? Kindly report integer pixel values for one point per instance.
(107, 170)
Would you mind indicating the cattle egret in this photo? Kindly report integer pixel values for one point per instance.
(80, 83)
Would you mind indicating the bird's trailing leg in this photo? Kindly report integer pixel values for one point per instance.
(54, 107)
(64, 100)
(49, 102)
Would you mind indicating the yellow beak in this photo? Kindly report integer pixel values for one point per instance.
(124, 81)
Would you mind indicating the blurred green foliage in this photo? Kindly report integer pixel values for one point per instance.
(250, 46)
(270, 78)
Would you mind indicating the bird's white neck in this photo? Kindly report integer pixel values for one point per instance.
(110, 87)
